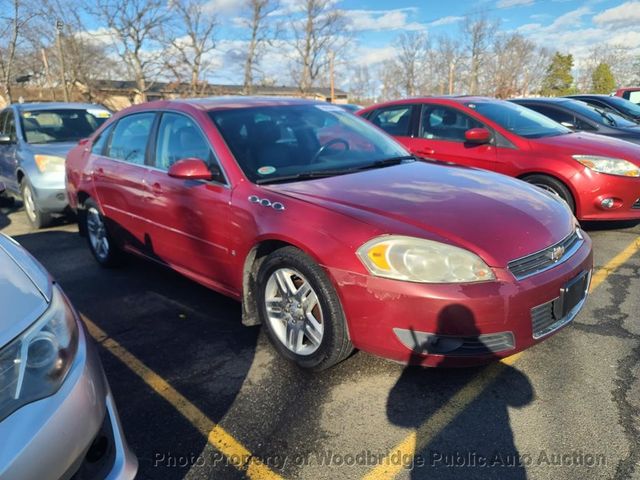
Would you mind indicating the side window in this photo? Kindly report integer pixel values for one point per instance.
(393, 120)
(559, 116)
(445, 123)
(100, 142)
(3, 118)
(130, 136)
(582, 125)
(632, 96)
(180, 137)
(10, 125)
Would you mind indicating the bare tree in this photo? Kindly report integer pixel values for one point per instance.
(263, 32)
(447, 58)
(135, 26)
(191, 40)
(316, 36)
(12, 24)
(477, 32)
(361, 85)
(391, 79)
(413, 49)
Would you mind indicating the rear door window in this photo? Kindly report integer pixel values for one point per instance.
(394, 120)
(130, 138)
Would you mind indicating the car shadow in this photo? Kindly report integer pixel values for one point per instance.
(187, 334)
(476, 440)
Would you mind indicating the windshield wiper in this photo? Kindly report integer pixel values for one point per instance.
(388, 162)
(606, 115)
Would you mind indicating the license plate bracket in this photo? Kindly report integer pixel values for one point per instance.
(571, 295)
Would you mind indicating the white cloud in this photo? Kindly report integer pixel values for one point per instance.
(376, 20)
(222, 6)
(445, 21)
(514, 3)
(625, 15)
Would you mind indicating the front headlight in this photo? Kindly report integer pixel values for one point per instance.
(612, 166)
(425, 261)
(34, 365)
(49, 163)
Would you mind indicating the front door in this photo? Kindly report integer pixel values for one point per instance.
(441, 136)
(188, 218)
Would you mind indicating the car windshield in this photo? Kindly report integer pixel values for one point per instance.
(296, 142)
(61, 125)
(625, 106)
(603, 116)
(519, 120)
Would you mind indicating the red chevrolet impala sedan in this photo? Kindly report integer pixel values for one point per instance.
(598, 177)
(329, 232)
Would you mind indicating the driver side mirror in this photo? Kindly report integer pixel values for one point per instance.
(193, 169)
(478, 136)
(5, 139)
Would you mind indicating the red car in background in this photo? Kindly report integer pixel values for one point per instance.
(629, 93)
(329, 232)
(598, 177)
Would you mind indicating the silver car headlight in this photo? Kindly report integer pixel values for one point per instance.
(34, 365)
(612, 166)
(424, 261)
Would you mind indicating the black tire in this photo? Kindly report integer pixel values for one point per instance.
(37, 218)
(113, 256)
(335, 345)
(554, 186)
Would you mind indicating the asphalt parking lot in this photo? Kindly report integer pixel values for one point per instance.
(202, 397)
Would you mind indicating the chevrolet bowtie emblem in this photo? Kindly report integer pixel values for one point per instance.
(557, 253)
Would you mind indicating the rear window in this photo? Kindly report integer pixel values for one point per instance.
(61, 125)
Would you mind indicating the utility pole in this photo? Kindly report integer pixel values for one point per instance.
(47, 76)
(59, 27)
(331, 77)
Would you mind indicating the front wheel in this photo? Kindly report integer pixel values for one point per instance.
(301, 310)
(101, 243)
(553, 186)
(37, 218)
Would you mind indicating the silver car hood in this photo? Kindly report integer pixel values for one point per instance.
(25, 290)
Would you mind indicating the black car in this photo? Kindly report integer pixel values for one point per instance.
(580, 116)
(622, 106)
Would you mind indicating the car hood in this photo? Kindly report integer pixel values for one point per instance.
(25, 289)
(497, 217)
(591, 144)
(58, 149)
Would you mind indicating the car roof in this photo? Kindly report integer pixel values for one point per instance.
(588, 95)
(54, 106)
(231, 102)
(557, 100)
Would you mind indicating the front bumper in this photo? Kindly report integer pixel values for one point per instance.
(378, 310)
(57, 437)
(595, 187)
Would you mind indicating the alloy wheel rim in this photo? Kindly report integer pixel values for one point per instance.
(97, 233)
(294, 312)
(29, 204)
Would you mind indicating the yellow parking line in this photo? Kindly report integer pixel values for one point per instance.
(424, 434)
(236, 453)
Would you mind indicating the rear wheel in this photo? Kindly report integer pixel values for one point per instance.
(36, 217)
(554, 186)
(301, 310)
(101, 243)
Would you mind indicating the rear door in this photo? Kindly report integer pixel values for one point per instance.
(119, 171)
(397, 120)
(188, 218)
(441, 136)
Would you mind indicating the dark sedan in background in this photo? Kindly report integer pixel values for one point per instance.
(34, 141)
(579, 116)
(619, 105)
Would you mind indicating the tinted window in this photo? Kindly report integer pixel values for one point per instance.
(625, 106)
(445, 123)
(393, 120)
(601, 115)
(62, 125)
(519, 120)
(3, 118)
(293, 140)
(559, 116)
(10, 126)
(99, 143)
(179, 137)
(130, 136)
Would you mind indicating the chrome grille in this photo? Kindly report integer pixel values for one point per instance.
(637, 204)
(548, 258)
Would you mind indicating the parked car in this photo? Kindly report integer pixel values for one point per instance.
(629, 93)
(34, 140)
(350, 107)
(582, 117)
(619, 105)
(57, 413)
(598, 177)
(335, 243)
